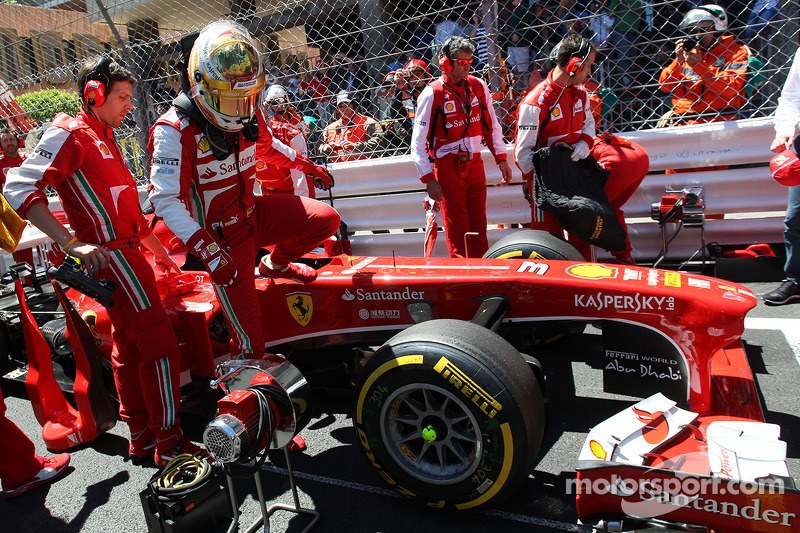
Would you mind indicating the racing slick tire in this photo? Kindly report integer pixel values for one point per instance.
(533, 244)
(450, 414)
(539, 244)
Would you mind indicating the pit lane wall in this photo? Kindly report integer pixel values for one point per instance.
(381, 199)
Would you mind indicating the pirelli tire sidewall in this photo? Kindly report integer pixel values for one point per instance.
(533, 244)
(462, 359)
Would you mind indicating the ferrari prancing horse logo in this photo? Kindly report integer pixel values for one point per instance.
(301, 306)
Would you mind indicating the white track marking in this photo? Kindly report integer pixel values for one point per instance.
(790, 327)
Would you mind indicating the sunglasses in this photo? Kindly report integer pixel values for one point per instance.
(463, 62)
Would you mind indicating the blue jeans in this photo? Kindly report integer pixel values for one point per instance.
(763, 12)
(791, 235)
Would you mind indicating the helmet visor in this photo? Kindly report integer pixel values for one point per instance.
(239, 92)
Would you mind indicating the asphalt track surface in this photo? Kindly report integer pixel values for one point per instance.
(100, 493)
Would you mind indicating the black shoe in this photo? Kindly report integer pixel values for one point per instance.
(788, 292)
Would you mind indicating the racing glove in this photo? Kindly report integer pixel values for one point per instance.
(321, 177)
(218, 262)
(580, 150)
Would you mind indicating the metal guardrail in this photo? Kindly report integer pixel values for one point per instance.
(381, 199)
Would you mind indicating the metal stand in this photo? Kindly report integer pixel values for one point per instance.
(265, 512)
(665, 246)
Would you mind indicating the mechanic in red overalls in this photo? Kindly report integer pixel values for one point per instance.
(11, 157)
(277, 124)
(454, 114)
(558, 110)
(203, 175)
(79, 158)
(20, 468)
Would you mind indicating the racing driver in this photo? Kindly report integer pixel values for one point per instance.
(203, 174)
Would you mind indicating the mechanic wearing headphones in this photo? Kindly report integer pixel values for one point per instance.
(280, 122)
(558, 110)
(454, 114)
(79, 158)
(203, 175)
(11, 156)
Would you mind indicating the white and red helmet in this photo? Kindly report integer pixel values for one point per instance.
(226, 76)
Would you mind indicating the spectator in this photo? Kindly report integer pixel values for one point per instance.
(477, 35)
(280, 122)
(397, 63)
(79, 157)
(627, 16)
(11, 156)
(448, 27)
(601, 23)
(384, 96)
(520, 34)
(449, 129)
(787, 121)
(411, 80)
(20, 468)
(558, 111)
(212, 153)
(419, 37)
(764, 12)
(318, 89)
(709, 72)
(573, 19)
(352, 77)
(354, 136)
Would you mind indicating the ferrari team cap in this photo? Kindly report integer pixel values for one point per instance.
(785, 168)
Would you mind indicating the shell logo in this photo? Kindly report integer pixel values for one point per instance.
(556, 112)
(449, 107)
(103, 149)
(204, 145)
(597, 449)
(260, 165)
(592, 271)
(780, 159)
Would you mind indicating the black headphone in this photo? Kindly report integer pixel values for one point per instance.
(579, 57)
(97, 83)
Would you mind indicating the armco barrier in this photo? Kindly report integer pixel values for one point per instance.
(381, 199)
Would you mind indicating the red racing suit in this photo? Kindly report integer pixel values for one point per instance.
(18, 462)
(277, 179)
(713, 87)
(194, 190)
(570, 120)
(7, 163)
(81, 160)
(446, 145)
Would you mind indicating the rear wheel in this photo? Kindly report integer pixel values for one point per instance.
(533, 244)
(450, 414)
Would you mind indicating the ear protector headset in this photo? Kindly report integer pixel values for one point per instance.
(579, 58)
(445, 63)
(97, 82)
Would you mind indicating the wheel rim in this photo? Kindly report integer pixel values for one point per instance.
(431, 434)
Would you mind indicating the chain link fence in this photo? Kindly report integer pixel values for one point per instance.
(316, 49)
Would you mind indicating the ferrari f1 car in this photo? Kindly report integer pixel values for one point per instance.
(450, 407)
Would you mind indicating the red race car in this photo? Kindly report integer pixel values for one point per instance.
(451, 411)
